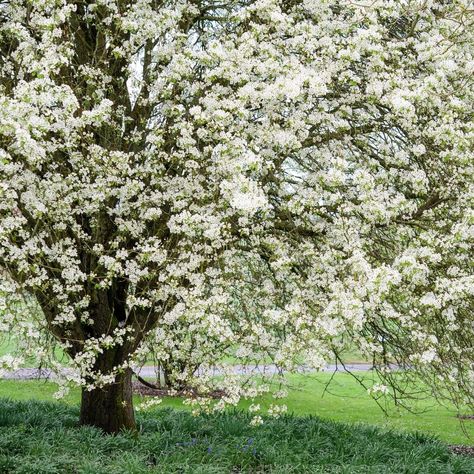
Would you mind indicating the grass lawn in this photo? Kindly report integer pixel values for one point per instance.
(346, 401)
(43, 438)
(8, 345)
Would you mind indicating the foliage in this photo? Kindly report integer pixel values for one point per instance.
(43, 438)
(197, 176)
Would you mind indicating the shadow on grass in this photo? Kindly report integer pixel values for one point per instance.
(38, 437)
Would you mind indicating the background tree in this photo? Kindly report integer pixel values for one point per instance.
(269, 176)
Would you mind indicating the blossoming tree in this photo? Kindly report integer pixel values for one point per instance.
(206, 177)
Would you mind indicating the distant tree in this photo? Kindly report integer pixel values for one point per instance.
(252, 177)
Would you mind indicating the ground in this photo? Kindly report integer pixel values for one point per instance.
(43, 438)
(345, 401)
(335, 429)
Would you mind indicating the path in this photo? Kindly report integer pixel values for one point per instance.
(150, 371)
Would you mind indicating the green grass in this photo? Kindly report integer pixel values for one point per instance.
(43, 438)
(346, 401)
(8, 345)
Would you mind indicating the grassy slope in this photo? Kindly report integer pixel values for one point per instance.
(347, 402)
(43, 438)
(8, 346)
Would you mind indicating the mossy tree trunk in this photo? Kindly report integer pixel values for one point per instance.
(110, 408)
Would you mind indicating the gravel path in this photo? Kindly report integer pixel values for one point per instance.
(149, 371)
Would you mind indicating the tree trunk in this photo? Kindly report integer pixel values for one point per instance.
(111, 407)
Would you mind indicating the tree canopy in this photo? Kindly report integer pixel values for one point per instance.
(258, 177)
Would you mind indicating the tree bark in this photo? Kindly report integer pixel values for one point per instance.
(111, 407)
